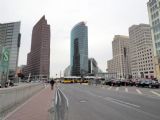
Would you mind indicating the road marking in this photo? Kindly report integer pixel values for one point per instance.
(109, 88)
(120, 102)
(125, 102)
(117, 88)
(83, 101)
(90, 93)
(126, 89)
(155, 93)
(139, 91)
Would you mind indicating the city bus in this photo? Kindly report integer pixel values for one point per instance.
(77, 79)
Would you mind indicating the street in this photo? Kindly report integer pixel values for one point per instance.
(89, 102)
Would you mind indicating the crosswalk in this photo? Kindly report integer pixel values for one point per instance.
(136, 90)
(126, 89)
(109, 88)
(139, 91)
(117, 88)
(155, 93)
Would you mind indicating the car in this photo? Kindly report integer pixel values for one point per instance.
(108, 82)
(148, 83)
(154, 84)
(124, 82)
(127, 82)
(143, 83)
(137, 82)
(116, 83)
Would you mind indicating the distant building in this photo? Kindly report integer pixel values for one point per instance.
(67, 71)
(141, 51)
(21, 68)
(110, 66)
(10, 39)
(92, 66)
(154, 19)
(119, 64)
(79, 49)
(38, 60)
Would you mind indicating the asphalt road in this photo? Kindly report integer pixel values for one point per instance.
(88, 102)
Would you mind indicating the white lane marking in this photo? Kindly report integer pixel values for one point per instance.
(137, 109)
(139, 91)
(120, 102)
(155, 93)
(126, 89)
(125, 102)
(117, 88)
(90, 93)
(109, 88)
(110, 100)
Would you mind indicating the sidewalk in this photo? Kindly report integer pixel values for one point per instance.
(36, 108)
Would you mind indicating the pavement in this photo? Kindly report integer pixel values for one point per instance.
(88, 102)
(36, 108)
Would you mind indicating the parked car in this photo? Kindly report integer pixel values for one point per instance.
(124, 82)
(137, 82)
(116, 83)
(143, 83)
(148, 83)
(127, 83)
(108, 82)
(154, 84)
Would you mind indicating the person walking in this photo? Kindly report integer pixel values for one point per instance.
(52, 83)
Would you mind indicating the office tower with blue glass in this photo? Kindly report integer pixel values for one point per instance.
(9, 40)
(154, 19)
(79, 50)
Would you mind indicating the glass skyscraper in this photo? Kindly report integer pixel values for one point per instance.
(154, 19)
(10, 39)
(79, 49)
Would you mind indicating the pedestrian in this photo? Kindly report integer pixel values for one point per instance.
(52, 83)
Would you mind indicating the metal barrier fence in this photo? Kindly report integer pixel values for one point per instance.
(12, 97)
(59, 110)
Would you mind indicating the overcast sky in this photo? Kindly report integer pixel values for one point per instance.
(105, 18)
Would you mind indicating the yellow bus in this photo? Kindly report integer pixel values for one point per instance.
(76, 79)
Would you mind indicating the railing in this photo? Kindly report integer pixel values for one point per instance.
(10, 98)
(59, 110)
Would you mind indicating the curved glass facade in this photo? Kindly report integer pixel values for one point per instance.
(80, 33)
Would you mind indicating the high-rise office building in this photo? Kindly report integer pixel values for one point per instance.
(120, 62)
(38, 61)
(92, 66)
(10, 39)
(154, 19)
(79, 49)
(141, 51)
(67, 71)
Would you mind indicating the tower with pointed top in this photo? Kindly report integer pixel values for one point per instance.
(38, 60)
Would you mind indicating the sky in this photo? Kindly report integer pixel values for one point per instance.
(104, 18)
